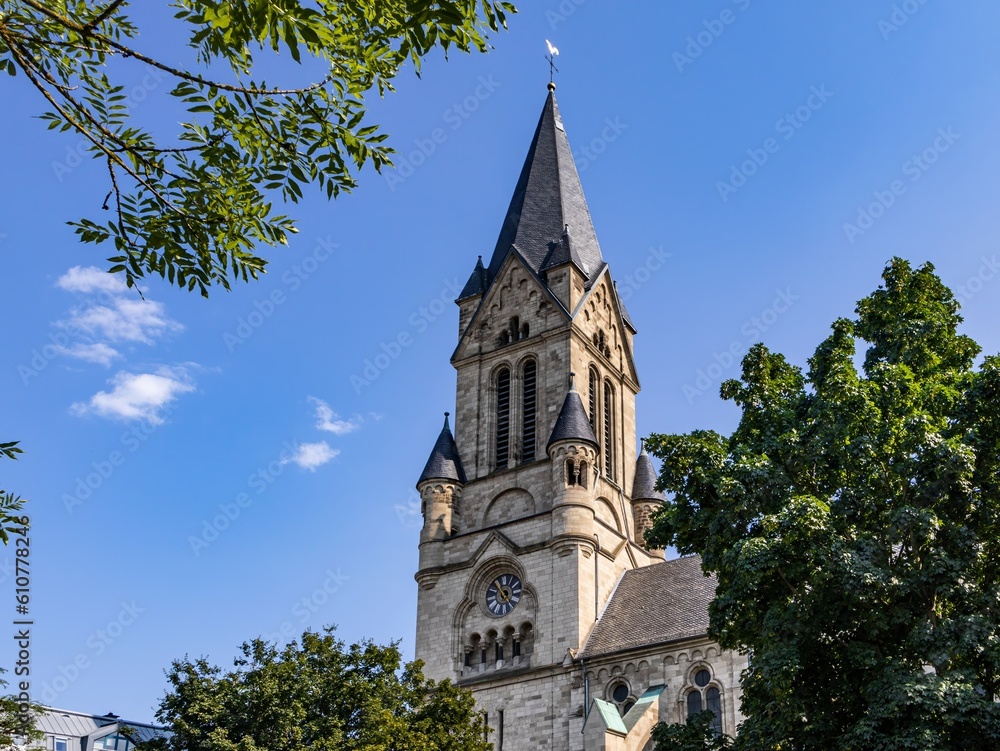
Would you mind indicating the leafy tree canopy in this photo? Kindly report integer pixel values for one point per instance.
(853, 523)
(193, 207)
(318, 694)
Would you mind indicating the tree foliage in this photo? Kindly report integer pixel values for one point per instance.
(694, 735)
(193, 207)
(10, 504)
(18, 721)
(853, 523)
(319, 695)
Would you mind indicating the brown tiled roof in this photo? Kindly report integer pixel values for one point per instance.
(653, 605)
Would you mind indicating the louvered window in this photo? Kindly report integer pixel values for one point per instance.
(503, 418)
(609, 432)
(529, 404)
(593, 400)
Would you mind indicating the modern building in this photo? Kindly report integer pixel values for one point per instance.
(536, 588)
(66, 730)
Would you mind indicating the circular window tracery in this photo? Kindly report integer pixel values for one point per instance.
(620, 694)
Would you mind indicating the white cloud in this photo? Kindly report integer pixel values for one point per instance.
(312, 455)
(99, 353)
(328, 420)
(125, 321)
(90, 279)
(138, 396)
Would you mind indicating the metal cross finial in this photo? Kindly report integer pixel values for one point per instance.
(551, 57)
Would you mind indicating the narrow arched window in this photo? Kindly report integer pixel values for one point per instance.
(529, 403)
(694, 703)
(593, 399)
(503, 418)
(609, 431)
(713, 703)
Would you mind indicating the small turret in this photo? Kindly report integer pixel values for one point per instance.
(573, 445)
(471, 294)
(440, 486)
(646, 499)
(573, 448)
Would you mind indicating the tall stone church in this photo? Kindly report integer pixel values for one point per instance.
(536, 588)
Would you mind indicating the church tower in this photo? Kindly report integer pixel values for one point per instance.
(537, 505)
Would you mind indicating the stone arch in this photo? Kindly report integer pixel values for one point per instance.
(604, 510)
(515, 503)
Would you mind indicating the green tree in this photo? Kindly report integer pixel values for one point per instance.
(18, 721)
(192, 207)
(853, 522)
(320, 695)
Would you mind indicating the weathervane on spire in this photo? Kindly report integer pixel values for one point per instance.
(551, 57)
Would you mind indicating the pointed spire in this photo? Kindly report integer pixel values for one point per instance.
(444, 462)
(644, 485)
(572, 423)
(548, 197)
(477, 283)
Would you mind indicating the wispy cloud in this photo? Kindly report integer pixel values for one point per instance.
(99, 352)
(138, 396)
(312, 455)
(124, 321)
(90, 279)
(328, 420)
(109, 314)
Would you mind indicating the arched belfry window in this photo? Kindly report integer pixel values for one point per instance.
(592, 394)
(529, 409)
(609, 430)
(503, 418)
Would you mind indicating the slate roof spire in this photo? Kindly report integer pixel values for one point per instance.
(548, 202)
(572, 423)
(444, 462)
(644, 485)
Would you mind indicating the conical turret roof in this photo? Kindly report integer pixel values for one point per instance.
(572, 423)
(644, 485)
(444, 462)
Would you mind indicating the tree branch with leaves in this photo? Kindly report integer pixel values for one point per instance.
(194, 207)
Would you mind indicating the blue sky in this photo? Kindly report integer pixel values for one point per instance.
(205, 472)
